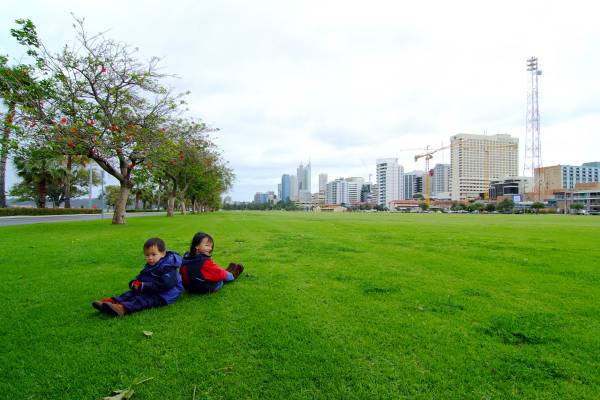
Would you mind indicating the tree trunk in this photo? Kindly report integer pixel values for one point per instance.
(170, 205)
(42, 192)
(121, 206)
(68, 181)
(183, 207)
(138, 199)
(4, 152)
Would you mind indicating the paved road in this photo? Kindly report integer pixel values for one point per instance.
(41, 219)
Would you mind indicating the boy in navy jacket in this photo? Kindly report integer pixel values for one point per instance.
(157, 284)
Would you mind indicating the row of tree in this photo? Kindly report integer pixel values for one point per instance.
(97, 101)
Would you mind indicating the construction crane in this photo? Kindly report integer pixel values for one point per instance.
(428, 155)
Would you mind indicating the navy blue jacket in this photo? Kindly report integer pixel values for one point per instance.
(162, 278)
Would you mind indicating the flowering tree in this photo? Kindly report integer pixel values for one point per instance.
(105, 104)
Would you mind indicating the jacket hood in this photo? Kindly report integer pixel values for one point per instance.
(170, 260)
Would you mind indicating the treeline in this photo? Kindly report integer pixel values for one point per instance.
(95, 100)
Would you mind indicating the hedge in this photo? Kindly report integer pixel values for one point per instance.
(6, 212)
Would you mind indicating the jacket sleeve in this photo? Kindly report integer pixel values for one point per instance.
(212, 272)
(160, 283)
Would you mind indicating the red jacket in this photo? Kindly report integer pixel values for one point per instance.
(200, 268)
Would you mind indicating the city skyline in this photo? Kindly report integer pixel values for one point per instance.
(345, 83)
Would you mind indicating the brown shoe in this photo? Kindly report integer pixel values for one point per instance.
(98, 303)
(115, 309)
(230, 267)
(237, 271)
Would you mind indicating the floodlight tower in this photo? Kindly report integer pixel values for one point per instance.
(533, 153)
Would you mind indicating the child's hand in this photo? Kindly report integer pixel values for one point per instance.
(136, 285)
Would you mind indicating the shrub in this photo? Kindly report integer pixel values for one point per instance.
(6, 212)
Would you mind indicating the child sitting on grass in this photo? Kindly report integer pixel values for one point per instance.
(200, 274)
(157, 284)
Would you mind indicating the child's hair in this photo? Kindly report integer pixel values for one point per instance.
(155, 242)
(197, 239)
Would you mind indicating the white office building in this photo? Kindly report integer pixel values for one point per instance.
(478, 159)
(337, 192)
(390, 182)
(354, 189)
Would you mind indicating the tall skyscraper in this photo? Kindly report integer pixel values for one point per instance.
(303, 174)
(440, 181)
(389, 181)
(286, 187)
(477, 159)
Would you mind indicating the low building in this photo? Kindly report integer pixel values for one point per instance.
(404, 205)
(588, 195)
(510, 186)
(330, 208)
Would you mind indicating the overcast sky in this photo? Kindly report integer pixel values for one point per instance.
(341, 83)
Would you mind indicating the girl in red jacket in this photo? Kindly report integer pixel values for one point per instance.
(199, 273)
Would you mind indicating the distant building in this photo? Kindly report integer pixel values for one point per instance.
(440, 180)
(355, 185)
(293, 188)
(303, 174)
(510, 186)
(413, 184)
(330, 208)
(559, 177)
(337, 192)
(478, 159)
(586, 194)
(286, 187)
(322, 182)
(304, 196)
(260, 198)
(367, 194)
(389, 181)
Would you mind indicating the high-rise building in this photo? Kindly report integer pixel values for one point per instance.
(440, 181)
(303, 174)
(389, 181)
(322, 182)
(367, 193)
(478, 159)
(293, 188)
(286, 187)
(413, 184)
(354, 189)
(337, 192)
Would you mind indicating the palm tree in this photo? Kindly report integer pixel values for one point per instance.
(39, 169)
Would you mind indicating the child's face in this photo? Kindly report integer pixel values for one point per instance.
(153, 255)
(204, 247)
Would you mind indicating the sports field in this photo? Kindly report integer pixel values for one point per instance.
(331, 306)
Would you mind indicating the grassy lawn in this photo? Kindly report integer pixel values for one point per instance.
(353, 306)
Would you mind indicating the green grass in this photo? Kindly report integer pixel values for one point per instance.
(352, 306)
